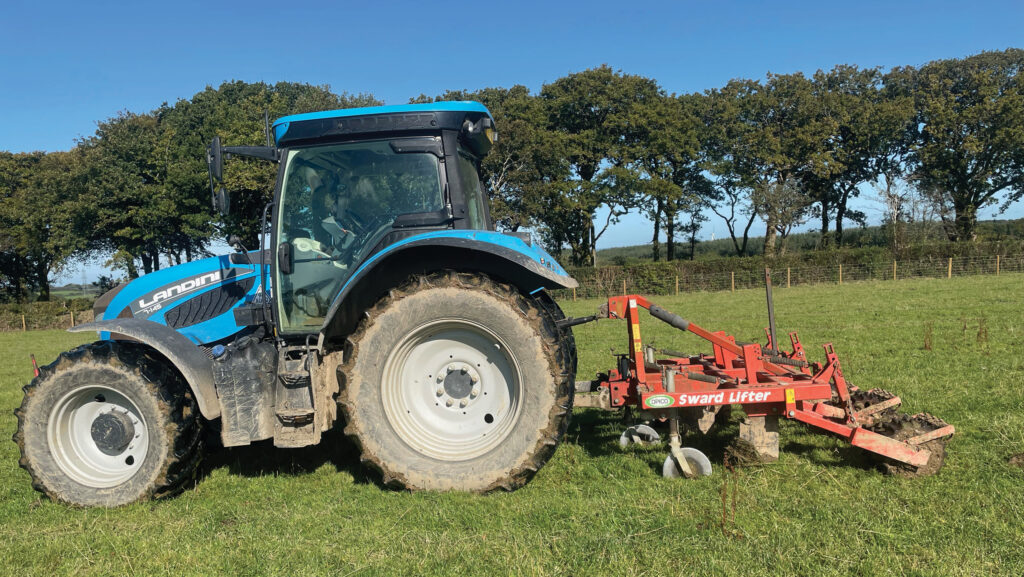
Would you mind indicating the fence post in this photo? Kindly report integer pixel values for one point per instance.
(677, 285)
(72, 319)
(573, 294)
(732, 281)
(997, 265)
(840, 273)
(623, 286)
(949, 268)
(787, 277)
(24, 326)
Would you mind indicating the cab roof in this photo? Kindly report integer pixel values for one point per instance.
(332, 124)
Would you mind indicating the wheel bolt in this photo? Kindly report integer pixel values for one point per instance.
(474, 393)
(465, 369)
(440, 391)
(440, 378)
(449, 402)
(451, 368)
(463, 403)
(473, 378)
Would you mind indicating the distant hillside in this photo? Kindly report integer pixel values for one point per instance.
(73, 291)
(871, 236)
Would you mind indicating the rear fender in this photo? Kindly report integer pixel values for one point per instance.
(502, 257)
(188, 358)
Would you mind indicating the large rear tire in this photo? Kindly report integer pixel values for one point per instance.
(107, 424)
(456, 382)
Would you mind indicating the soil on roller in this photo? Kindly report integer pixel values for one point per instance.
(863, 399)
(743, 454)
(901, 427)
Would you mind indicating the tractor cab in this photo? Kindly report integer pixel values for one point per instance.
(353, 182)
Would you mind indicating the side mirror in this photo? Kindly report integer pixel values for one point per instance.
(215, 164)
(215, 160)
(222, 202)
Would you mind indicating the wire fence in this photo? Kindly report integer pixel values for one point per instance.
(35, 318)
(609, 281)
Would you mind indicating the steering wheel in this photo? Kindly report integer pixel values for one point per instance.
(369, 233)
(312, 246)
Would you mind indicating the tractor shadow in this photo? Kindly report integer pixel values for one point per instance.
(834, 455)
(262, 458)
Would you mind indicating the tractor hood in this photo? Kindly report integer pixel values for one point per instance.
(196, 298)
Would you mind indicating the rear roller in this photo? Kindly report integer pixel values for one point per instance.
(874, 404)
(905, 428)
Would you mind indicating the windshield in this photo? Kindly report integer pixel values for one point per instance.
(337, 202)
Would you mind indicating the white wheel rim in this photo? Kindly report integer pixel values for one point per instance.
(73, 443)
(452, 389)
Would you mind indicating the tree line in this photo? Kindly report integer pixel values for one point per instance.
(783, 150)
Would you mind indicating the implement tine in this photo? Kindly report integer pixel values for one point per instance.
(771, 309)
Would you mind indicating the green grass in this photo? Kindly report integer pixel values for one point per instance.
(596, 509)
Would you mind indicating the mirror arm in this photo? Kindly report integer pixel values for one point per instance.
(269, 153)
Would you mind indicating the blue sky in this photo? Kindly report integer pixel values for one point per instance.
(65, 65)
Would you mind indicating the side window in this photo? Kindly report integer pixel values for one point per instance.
(471, 187)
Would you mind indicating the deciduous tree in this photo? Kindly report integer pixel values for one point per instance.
(970, 134)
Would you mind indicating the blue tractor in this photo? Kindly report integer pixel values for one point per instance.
(382, 290)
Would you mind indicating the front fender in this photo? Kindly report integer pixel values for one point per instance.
(504, 257)
(188, 358)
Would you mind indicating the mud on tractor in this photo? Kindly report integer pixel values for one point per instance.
(383, 291)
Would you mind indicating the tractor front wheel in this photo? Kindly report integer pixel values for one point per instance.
(456, 382)
(108, 424)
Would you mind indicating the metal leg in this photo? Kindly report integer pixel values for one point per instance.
(675, 446)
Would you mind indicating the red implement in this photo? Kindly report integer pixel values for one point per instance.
(768, 383)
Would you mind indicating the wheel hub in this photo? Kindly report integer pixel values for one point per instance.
(98, 436)
(458, 384)
(112, 432)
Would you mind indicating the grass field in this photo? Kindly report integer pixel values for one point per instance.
(596, 509)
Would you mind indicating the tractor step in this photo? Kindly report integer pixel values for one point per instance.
(296, 417)
(296, 408)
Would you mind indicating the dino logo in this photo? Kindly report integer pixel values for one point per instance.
(179, 289)
(659, 401)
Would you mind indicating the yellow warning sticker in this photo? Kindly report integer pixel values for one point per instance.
(636, 346)
(790, 397)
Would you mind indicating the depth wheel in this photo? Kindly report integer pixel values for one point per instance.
(108, 424)
(638, 435)
(456, 382)
(698, 461)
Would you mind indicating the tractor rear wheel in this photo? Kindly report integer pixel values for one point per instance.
(457, 382)
(107, 424)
